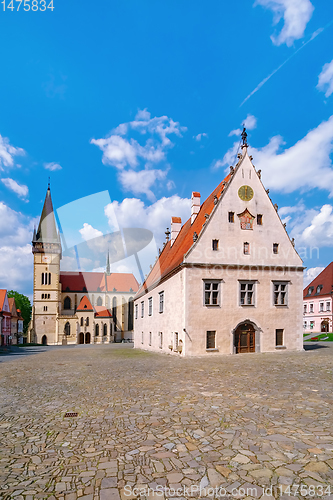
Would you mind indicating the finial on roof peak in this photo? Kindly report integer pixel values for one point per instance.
(48, 184)
(167, 234)
(244, 138)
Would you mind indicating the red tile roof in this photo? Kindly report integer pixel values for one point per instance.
(97, 282)
(3, 294)
(176, 219)
(102, 312)
(324, 280)
(172, 256)
(85, 305)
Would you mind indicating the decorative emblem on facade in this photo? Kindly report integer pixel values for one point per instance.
(246, 219)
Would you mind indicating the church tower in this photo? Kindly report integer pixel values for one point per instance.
(46, 248)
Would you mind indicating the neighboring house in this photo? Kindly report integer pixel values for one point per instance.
(20, 330)
(57, 295)
(14, 319)
(228, 281)
(5, 324)
(317, 303)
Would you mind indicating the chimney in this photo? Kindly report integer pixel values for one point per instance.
(195, 207)
(176, 224)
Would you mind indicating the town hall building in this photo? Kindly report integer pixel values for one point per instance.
(228, 281)
(76, 307)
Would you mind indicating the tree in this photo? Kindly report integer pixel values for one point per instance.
(23, 304)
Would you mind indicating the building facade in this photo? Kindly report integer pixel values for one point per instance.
(228, 281)
(59, 315)
(318, 303)
(5, 319)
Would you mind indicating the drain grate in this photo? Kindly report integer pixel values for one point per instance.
(71, 414)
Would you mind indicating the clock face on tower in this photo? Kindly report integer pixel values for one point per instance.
(245, 193)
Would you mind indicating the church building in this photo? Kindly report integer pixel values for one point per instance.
(228, 281)
(76, 307)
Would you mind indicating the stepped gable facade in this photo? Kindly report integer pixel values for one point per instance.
(318, 303)
(228, 281)
(57, 295)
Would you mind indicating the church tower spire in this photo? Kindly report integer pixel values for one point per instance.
(108, 272)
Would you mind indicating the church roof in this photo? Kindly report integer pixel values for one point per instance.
(172, 256)
(47, 230)
(97, 282)
(85, 305)
(102, 312)
(12, 306)
(3, 295)
(322, 285)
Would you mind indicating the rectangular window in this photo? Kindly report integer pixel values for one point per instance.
(231, 216)
(328, 306)
(246, 293)
(142, 309)
(210, 340)
(161, 340)
(141, 337)
(278, 337)
(136, 311)
(311, 325)
(305, 308)
(311, 308)
(161, 305)
(42, 278)
(305, 325)
(321, 307)
(246, 248)
(259, 220)
(150, 306)
(176, 341)
(275, 248)
(45, 308)
(215, 244)
(280, 293)
(212, 293)
(150, 338)
(49, 278)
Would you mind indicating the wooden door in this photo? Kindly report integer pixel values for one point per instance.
(245, 339)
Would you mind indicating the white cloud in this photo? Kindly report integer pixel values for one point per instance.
(200, 136)
(7, 153)
(318, 230)
(52, 166)
(310, 274)
(303, 166)
(132, 212)
(128, 153)
(20, 189)
(295, 13)
(88, 232)
(325, 79)
(141, 182)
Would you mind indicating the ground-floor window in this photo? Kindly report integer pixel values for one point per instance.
(279, 337)
(150, 335)
(311, 325)
(161, 340)
(176, 341)
(210, 339)
(141, 337)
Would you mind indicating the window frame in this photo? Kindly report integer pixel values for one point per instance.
(231, 217)
(215, 245)
(246, 248)
(275, 248)
(161, 302)
(280, 283)
(246, 291)
(209, 347)
(311, 308)
(150, 306)
(136, 311)
(259, 220)
(279, 331)
(142, 309)
(212, 291)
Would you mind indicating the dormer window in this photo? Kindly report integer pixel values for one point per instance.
(319, 287)
(310, 290)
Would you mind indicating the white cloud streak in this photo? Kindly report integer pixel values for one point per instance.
(20, 189)
(7, 153)
(53, 166)
(295, 14)
(325, 79)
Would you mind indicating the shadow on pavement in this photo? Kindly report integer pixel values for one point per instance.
(313, 346)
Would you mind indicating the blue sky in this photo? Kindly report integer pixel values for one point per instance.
(141, 99)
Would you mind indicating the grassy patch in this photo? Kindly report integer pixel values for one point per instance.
(327, 337)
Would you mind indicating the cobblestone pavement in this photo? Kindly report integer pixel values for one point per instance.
(163, 423)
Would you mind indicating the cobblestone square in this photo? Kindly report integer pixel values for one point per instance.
(166, 427)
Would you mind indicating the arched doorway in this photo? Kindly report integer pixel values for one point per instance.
(87, 338)
(44, 340)
(81, 338)
(245, 338)
(324, 327)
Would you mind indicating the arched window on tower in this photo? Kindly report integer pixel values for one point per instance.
(67, 328)
(81, 322)
(114, 312)
(105, 330)
(97, 330)
(130, 313)
(87, 321)
(99, 301)
(67, 303)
